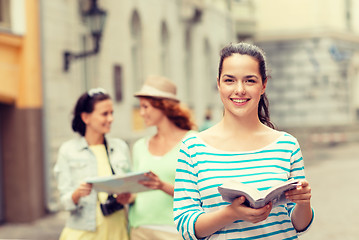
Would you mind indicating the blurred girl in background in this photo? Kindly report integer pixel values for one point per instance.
(93, 215)
(151, 215)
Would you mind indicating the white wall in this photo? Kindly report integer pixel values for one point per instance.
(18, 25)
(278, 16)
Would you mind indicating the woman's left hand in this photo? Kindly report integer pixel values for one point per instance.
(154, 182)
(302, 214)
(301, 195)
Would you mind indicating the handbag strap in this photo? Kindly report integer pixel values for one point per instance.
(108, 156)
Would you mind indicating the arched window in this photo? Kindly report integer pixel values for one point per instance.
(348, 14)
(165, 51)
(210, 84)
(353, 77)
(136, 51)
(188, 66)
(5, 14)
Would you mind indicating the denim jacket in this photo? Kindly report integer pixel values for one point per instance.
(75, 163)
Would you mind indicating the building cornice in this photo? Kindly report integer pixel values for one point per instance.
(306, 34)
(10, 40)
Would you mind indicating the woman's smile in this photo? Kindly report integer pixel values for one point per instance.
(240, 101)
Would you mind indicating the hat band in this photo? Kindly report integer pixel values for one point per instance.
(154, 92)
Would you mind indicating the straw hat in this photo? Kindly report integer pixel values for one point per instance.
(158, 87)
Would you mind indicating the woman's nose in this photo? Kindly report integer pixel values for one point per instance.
(142, 112)
(240, 89)
(110, 118)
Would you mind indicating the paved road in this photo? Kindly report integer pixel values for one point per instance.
(331, 172)
(47, 228)
(335, 193)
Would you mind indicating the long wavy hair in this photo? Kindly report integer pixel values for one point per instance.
(258, 54)
(175, 112)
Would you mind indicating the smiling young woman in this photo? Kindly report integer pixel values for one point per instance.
(243, 146)
(88, 155)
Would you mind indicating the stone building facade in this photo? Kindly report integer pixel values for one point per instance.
(312, 81)
(312, 49)
(180, 39)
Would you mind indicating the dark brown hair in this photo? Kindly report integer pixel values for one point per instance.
(174, 111)
(85, 103)
(258, 54)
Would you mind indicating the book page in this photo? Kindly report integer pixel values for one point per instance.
(234, 189)
(254, 198)
(119, 183)
(277, 194)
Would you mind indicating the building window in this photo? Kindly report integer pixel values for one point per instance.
(348, 14)
(210, 83)
(165, 51)
(136, 51)
(4, 14)
(188, 66)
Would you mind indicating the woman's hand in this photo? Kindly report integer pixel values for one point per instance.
(211, 222)
(125, 198)
(301, 195)
(154, 182)
(248, 214)
(302, 214)
(83, 190)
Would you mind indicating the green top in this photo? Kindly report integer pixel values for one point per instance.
(153, 207)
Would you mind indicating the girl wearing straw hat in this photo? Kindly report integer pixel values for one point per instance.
(151, 214)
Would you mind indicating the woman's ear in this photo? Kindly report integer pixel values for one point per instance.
(217, 83)
(264, 85)
(85, 117)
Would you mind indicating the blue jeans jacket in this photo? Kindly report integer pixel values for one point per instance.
(75, 163)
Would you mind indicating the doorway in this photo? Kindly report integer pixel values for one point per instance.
(2, 212)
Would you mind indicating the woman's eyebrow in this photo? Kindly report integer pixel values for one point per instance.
(251, 76)
(248, 76)
(228, 75)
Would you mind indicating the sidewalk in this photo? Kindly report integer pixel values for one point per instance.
(332, 174)
(330, 170)
(46, 228)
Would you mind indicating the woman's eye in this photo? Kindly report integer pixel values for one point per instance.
(228, 80)
(107, 114)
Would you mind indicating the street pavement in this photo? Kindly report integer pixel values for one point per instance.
(333, 176)
(331, 171)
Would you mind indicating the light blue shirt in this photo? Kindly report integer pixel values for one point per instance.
(75, 163)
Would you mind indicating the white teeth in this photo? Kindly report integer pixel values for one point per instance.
(239, 100)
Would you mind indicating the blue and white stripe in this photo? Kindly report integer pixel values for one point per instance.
(202, 168)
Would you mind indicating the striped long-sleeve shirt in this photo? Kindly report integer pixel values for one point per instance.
(202, 168)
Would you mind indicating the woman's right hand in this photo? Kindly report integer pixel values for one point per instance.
(245, 213)
(154, 182)
(83, 190)
(211, 222)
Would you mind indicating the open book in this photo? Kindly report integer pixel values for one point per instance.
(119, 183)
(255, 198)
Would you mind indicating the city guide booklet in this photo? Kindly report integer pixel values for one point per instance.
(254, 198)
(119, 183)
